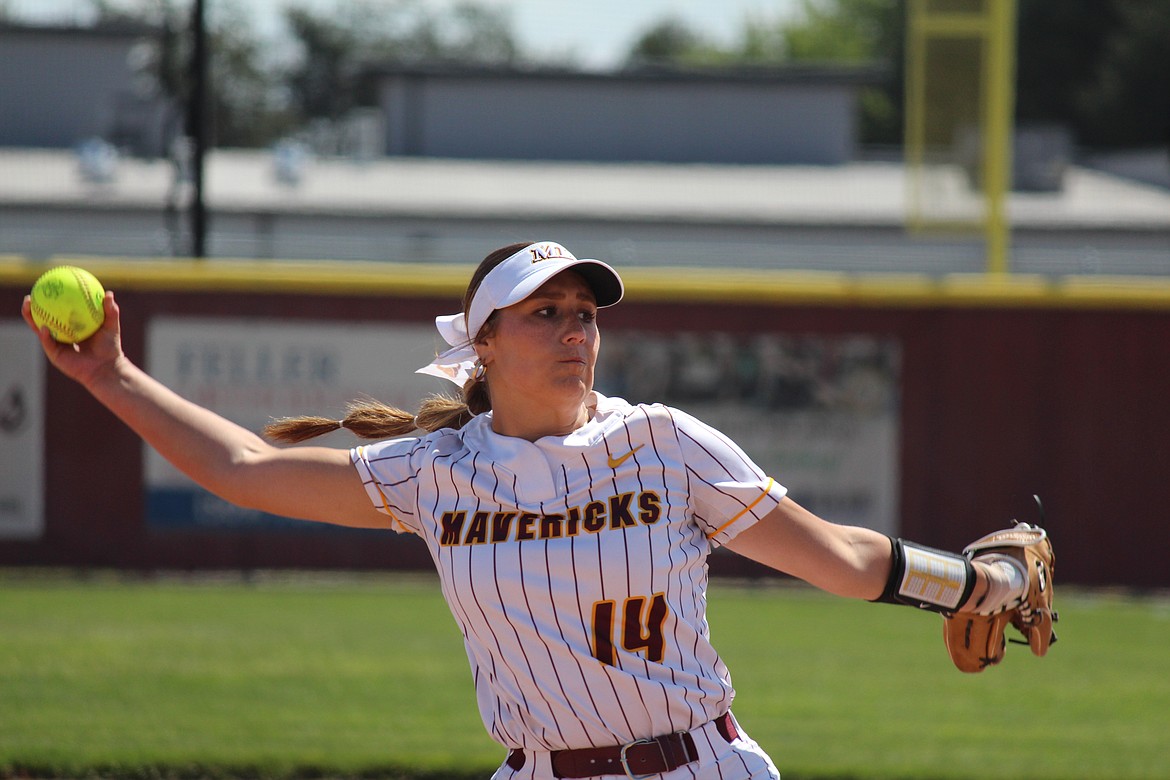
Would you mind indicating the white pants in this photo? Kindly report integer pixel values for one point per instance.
(741, 759)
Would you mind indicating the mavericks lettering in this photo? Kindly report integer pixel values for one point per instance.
(625, 510)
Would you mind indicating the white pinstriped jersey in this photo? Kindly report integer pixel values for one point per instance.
(576, 566)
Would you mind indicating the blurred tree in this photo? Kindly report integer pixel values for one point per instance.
(256, 98)
(1059, 45)
(248, 108)
(245, 109)
(841, 30)
(824, 31)
(479, 34)
(1128, 101)
(1100, 67)
(669, 41)
(335, 45)
(856, 31)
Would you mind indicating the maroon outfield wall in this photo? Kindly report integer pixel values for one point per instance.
(1058, 388)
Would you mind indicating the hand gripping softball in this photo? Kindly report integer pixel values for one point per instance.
(976, 641)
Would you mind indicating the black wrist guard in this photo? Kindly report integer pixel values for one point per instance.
(927, 578)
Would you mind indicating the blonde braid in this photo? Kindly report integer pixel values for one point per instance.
(372, 419)
(367, 418)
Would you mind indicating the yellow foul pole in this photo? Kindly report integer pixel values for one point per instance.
(991, 23)
(999, 125)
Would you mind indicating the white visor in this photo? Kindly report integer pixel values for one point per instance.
(508, 283)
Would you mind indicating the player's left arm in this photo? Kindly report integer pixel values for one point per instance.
(841, 559)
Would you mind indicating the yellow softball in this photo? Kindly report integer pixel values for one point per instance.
(69, 301)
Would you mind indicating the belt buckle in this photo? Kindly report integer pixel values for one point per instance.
(626, 763)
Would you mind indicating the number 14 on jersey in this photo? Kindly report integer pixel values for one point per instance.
(640, 627)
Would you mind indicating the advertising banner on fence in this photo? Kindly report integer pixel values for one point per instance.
(820, 414)
(22, 434)
(252, 371)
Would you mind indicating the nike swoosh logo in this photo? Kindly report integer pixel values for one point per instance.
(615, 462)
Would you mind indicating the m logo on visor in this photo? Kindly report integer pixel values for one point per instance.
(541, 252)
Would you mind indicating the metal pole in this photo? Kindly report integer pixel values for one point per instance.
(197, 128)
(915, 112)
(999, 78)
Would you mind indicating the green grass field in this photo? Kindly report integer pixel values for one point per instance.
(315, 676)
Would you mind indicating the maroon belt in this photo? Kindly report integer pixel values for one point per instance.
(640, 758)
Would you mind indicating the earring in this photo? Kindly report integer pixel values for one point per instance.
(480, 372)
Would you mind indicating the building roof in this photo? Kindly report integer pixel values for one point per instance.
(843, 219)
(859, 194)
(114, 29)
(863, 74)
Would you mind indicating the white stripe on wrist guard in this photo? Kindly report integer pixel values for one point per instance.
(927, 578)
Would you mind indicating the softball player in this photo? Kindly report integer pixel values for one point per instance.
(570, 530)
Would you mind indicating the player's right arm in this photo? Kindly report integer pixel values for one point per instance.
(309, 483)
